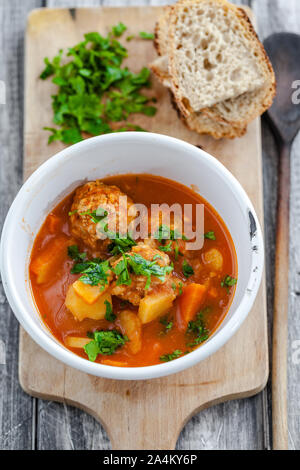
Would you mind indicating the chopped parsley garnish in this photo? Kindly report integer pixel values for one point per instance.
(228, 282)
(122, 272)
(180, 288)
(164, 232)
(166, 248)
(94, 90)
(144, 35)
(73, 253)
(109, 314)
(119, 29)
(141, 267)
(96, 216)
(210, 235)
(170, 357)
(94, 272)
(187, 269)
(105, 343)
(177, 252)
(121, 245)
(168, 324)
(197, 329)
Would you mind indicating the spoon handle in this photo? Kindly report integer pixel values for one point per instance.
(280, 319)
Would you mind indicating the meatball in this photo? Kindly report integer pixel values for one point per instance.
(87, 199)
(137, 289)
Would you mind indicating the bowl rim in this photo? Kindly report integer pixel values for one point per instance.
(56, 349)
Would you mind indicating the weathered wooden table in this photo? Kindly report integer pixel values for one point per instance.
(28, 423)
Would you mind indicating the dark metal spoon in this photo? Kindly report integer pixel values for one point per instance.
(284, 115)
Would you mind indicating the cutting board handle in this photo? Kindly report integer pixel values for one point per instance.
(142, 435)
(137, 424)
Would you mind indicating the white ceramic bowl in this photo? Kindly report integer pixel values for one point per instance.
(131, 152)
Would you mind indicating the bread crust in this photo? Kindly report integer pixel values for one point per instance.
(212, 120)
(202, 124)
(249, 31)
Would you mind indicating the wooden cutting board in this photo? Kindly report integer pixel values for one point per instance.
(146, 414)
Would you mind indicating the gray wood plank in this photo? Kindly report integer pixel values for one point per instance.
(275, 16)
(16, 408)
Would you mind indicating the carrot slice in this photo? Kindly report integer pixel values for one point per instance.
(190, 301)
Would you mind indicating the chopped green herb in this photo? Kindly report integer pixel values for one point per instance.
(129, 38)
(210, 235)
(228, 282)
(168, 324)
(119, 29)
(122, 272)
(170, 357)
(96, 216)
(165, 233)
(166, 248)
(73, 253)
(144, 35)
(180, 288)
(94, 90)
(105, 343)
(177, 252)
(187, 269)
(109, 314)
(198, 329)
(141, 267)
(121, 245)
(94, 272)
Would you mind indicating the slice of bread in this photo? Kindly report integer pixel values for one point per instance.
(214, 53)
(199, 122)
(209, 23)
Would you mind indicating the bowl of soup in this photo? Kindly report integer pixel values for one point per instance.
(131, 255)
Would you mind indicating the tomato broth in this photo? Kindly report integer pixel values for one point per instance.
(166, 337)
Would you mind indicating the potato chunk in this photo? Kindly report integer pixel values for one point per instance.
(132, 326)
(87, 292)
(80, 309)
(154, 305)
(214, 258)
(47, 262)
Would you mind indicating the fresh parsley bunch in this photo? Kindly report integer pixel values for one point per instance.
(94, 91)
